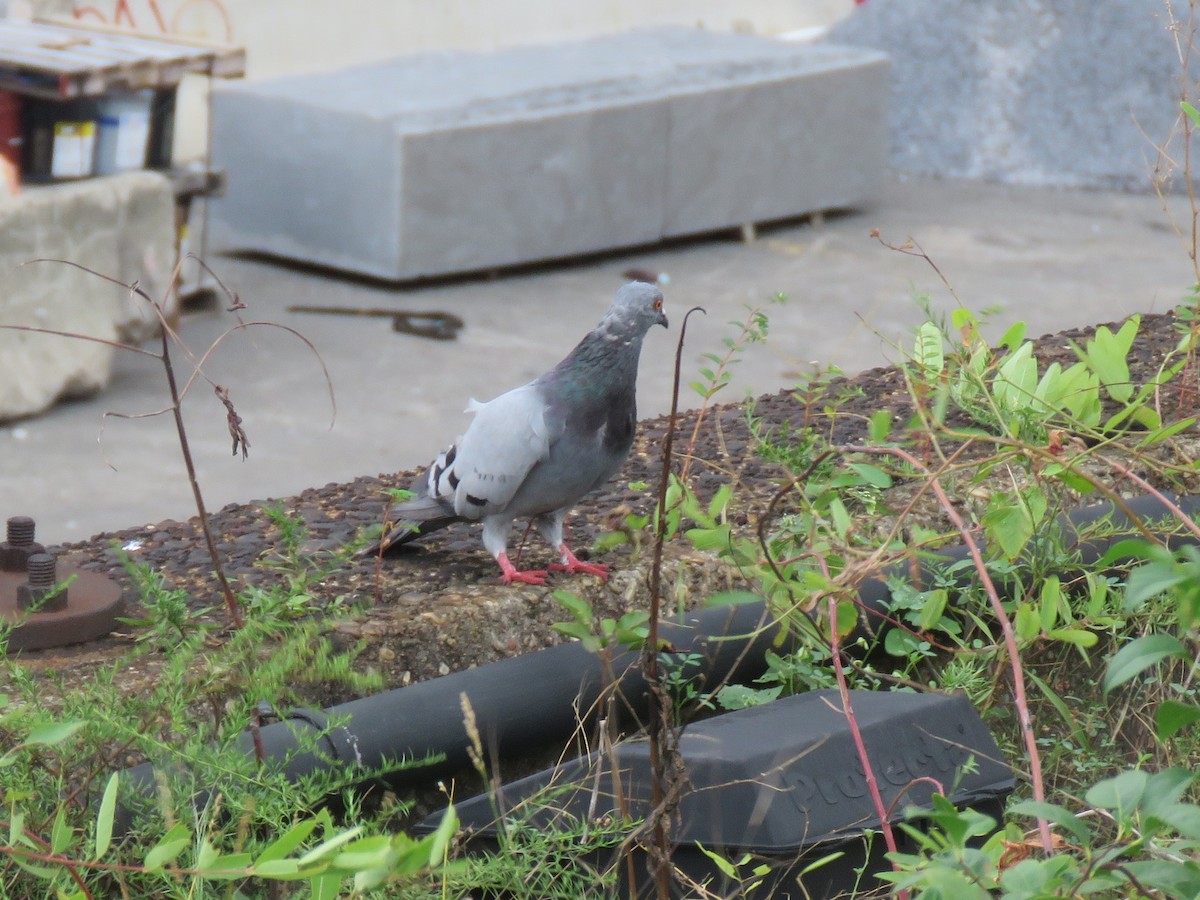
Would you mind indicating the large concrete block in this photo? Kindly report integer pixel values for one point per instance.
(756, 150)
(121, 226)
(450, 162)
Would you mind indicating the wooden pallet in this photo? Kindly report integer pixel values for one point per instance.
(61, 61)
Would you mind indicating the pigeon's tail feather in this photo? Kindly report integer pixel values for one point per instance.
(409, 520)
(421, 514)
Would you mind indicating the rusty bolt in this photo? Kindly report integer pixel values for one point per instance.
(42, 581)
(15, 552)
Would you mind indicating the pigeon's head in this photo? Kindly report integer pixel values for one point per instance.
(638, 306)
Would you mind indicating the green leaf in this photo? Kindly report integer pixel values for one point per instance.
(365, 854)
(439, 841)
(327, 886)
(1016, 379)
(609, 540)
(1150, 580)
(840, 517)
(1012, 519)
(1123, 551)
(710, 539)
(720, 501)
(576, 630)
(172, 844)
(232, 866)
(574, 604)
(330, 844)
(1139, 655)
(633, 628)
(1107, 355)
(1121, 793)
(960, 317)
(45, 873)
(933, 606)
(1068, 476)
(61, 833)
(104, 818)
(928, 352)
(1173, 716)
(741, 696)
(1013, 337)
(1183, 818)
(818, 863)
(726, 867)
(53, 733)
(732, 598)
(1009, 525)
(847, 617)
(872, 475)
(206, 855)
(1135, 411)
(1056, 815)
(1064, 711)
(288, 841)
(880, 426)
(1050, 601)
(1026, 623)
(1164, 789)
(1078, 637)
(1191, 112)
(898, 642)
(1078, 392)
(1161, 434)
(279, 869)
(1169, 878)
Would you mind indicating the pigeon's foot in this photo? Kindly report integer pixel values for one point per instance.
(571, 563)
(510, 573)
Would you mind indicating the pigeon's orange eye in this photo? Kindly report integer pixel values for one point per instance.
(658, 304)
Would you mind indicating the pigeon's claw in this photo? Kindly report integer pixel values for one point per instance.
(510, 573)
(571, 563)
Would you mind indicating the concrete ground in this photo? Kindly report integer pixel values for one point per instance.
(1051, 258)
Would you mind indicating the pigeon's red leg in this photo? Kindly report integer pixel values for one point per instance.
(571, 563)
(511, 573)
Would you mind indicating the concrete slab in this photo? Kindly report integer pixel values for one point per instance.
(1055, 259)
(451, 162)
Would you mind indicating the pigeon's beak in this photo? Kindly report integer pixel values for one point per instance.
(662, 319)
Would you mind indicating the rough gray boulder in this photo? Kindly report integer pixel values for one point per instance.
(121, 226)
(1067, 93)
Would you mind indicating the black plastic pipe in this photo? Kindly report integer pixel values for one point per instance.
(526, 702)
(534, 700)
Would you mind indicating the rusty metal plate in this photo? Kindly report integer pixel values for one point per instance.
(93, 604)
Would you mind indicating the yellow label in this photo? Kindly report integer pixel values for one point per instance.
(75, 129)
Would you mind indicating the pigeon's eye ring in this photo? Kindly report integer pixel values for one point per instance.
(658, 304)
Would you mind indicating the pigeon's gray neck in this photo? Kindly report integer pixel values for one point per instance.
(615, 329)
(607, 357)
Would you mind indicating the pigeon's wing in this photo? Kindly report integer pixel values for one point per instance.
(507, 438)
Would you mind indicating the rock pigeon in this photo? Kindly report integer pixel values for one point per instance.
(533, 452)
